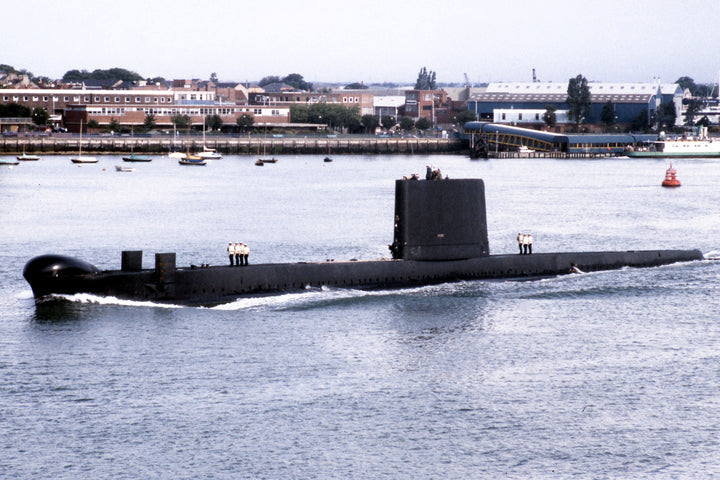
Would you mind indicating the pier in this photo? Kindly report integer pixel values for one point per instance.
(234, 145)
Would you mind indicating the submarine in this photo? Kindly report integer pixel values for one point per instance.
(440, 235)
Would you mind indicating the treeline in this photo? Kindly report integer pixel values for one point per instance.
(113, 74)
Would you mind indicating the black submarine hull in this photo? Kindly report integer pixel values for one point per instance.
(440, 235)
(220, 284)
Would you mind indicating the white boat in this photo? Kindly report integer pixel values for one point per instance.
(27, 158)
(80, 158)
(208, 153)
(176, 155)
(525, 149)
(700, 146)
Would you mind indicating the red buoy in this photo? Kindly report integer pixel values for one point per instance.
(671, 179)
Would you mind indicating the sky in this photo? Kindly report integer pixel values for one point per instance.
(371, 41)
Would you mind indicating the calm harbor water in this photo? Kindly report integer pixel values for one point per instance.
(603, 375)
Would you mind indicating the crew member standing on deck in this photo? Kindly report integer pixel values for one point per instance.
(520, 242)
(231, 253)
(525, 243)
(246, 253)
(238, 253)
(529, 243)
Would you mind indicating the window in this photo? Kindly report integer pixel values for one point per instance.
(107, 99)
(66, 98)
(117, 99)
(537, 116)
(519, 116)
(137, 99)
(97, 99)
(46, 98)
(503, 116)
(147, 99)
(127, 99)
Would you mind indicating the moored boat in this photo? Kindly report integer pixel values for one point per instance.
(80, 158)
(27, 158)
(121, 168)
(685, 147)
(192, 160)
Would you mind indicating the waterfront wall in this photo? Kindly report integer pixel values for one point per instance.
(234, 145)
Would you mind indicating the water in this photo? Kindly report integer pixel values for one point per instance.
(603, 375)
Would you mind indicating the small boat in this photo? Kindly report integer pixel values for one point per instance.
(327, 159)
(523, 149)
(268, 160)
(671, 179)
(80, 158)
(133, 157)
(176, 155)
(9, 162)
(192, 160)
(137, 158)
(27, 158)
(208, 153)
(259, 163)
(121, 168)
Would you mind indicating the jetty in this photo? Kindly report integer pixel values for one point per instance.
(234, 145)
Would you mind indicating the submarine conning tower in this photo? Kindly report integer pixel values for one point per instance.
(440, 219)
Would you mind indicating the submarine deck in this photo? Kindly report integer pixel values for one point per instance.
(219, 284)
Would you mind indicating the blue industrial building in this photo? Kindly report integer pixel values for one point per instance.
(628, 99)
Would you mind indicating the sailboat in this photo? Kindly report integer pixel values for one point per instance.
(133, 157)
(27, 158)
(80, 158)
(190, 159)
(263, 161)
(208, 153)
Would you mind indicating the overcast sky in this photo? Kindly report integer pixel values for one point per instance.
(370, 41)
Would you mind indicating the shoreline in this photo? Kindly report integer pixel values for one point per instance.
(233, 145)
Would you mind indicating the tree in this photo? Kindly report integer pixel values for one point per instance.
(640, 122)
(92, 123)
(578, 100)
(425, 80)
(268, 80)
(694, 105)
(465, 116)
(213, 122)
(422, 123)
(13, 109)
(116, 74)
(245, 121)
(180, 121)
(297, 81)
(550, 117)
(355, 86)
(370, 122)
(666, 115)
(388, 122)
(40, 116)
(214, 77)
(114, 125)
(149, 122)
(607, 115)
(406, 123)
